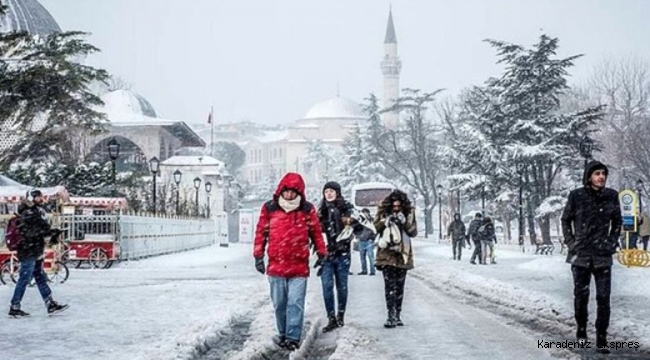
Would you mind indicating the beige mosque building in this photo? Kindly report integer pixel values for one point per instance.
(329, 121)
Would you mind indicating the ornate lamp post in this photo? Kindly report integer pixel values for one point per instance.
(154, 165)
(439, 189)
(197, 185)
(114, 153)
(208, 188)
(178, 175)
(586, 148)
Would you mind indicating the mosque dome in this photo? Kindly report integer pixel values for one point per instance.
(127, 102)
(28, 15)
(336, 108)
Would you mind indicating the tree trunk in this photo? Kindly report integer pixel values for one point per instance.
(531, 223)
(506, 223)
(545, 227)
(428, 221)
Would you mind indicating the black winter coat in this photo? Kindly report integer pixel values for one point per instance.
(591, 225)
(332, 225)
(34, 228)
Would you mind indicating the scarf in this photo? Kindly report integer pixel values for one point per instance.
(289, 205)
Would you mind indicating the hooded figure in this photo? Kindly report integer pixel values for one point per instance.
(591, 225)
(395, 259)
(335, 217)
(457, 232)
(475, 236)
(285, 228)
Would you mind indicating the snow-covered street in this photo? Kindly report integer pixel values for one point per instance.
(211, 304)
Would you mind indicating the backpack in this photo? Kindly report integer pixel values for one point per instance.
(13, 237)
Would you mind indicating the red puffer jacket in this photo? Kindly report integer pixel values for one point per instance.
(288, 233)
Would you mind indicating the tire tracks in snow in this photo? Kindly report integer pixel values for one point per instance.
(228, 340)
(545, 326)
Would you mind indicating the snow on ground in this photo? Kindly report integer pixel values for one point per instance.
(211, 304)
(151, 309)
(541, 288)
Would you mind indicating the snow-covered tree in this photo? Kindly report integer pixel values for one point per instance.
(230, 153)
(45, 99)
(411, 152)
(514, 122)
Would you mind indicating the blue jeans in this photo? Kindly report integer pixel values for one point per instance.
(335, 269)
(288, 296)
(367, 248)
(29, 268)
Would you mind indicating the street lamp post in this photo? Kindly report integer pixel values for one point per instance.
(208, 188)
(177, 179)
(197, 185)
(483, 197)
(113, 153)
(154, 164)
(439, 188)
(586, 148)
(520, 168)
(639, 189)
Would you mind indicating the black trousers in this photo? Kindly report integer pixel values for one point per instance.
(477, 251)
(644, 240)
(581, 282)
(394, 279)
(458, 248)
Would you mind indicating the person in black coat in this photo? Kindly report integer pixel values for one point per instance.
(591, 224)
(335, 214)
(34, 228)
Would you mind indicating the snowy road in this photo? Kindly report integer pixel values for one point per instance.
(211, 304)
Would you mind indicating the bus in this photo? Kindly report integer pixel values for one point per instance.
(369, 195)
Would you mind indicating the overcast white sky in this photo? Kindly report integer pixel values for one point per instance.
(270, 61)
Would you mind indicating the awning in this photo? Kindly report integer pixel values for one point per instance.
(118, 203)
(17, 194)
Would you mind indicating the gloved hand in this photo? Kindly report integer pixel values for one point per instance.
(259, 265)
(54, 235)
(319, 264)
(401, 219)
(320, 261)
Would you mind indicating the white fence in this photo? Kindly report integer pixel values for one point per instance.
(150, 236)
(142, 236)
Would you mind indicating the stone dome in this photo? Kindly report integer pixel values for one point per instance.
(336, 108)
(28, 15)
(127, 102)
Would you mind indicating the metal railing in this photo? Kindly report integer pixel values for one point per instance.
(140, 236)
(150, 236)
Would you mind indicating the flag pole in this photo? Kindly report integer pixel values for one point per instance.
(212, 131)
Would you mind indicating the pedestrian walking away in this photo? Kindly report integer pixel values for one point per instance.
(474, 235)
(591, 225)
(286, 225)
(33, 228)
(366, 234)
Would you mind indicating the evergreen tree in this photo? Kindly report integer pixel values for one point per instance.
(514, 125)
(231, 154)
(45, 97)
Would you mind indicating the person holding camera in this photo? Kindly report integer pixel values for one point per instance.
(396, 223)
(335, 214)
(33, 228)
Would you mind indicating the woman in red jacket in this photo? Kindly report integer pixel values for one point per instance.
(284, 230)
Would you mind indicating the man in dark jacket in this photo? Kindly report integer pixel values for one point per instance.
(591, 223)
(457, 232)
(476, 238)
(34, 228)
